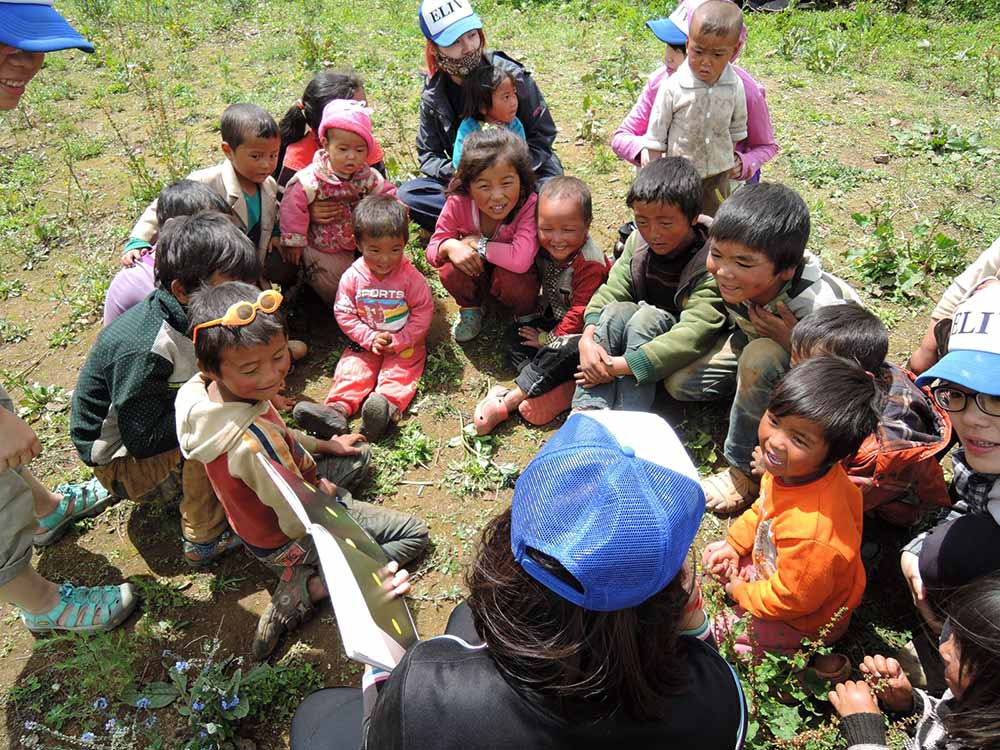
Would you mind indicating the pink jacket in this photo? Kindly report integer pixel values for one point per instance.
(401, 304)
(756, 150)
(513, 247)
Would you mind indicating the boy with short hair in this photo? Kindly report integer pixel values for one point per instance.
(123, 405)
(250, 142)
(384, 306)
(225, 418)
(545, 351)
(700, 112)
(660, 309)
(757, 255)
(897, 467)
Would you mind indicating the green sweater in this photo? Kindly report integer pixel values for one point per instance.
(701, 318)
(123, 404)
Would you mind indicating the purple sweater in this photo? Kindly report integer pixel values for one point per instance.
(756, 150)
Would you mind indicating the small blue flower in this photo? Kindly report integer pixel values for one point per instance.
(148, 723)
(181, 667)
(109, 725)
(30, 725)
(100, 704)
(226, 705)
(142, 703)
(87, 737)
(197, 706)
(203, 733)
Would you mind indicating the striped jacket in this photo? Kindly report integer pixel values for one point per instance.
(867, 731)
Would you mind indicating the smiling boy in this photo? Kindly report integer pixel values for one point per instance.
(660, 309)
(757, 256)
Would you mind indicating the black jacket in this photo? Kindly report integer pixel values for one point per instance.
(439, 122)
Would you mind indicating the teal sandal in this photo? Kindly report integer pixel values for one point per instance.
(85, 609)
(86, 498)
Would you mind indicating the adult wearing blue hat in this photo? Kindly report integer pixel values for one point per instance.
(29, 513)
(456, 45)
(576, 606)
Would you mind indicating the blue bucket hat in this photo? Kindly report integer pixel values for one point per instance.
(667, 32)
(444, 21)
(973, 358)
(614, 498)
(36, 26)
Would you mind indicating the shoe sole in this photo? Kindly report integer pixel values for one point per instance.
(58, 531)
(371, 419)
(317, 425)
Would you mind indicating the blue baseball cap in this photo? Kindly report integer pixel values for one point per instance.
(973, 358)
(667, 32)
(36, 26)
(614, 498)
(444, 21)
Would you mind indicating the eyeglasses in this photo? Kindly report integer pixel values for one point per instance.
(954, 400)
(243, 313)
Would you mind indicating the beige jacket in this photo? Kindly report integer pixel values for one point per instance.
(223, 180)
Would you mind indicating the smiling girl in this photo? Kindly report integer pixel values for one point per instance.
(485, 241)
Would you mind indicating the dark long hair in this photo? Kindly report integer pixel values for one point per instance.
(594, 662)
(324, 87)
(974, 612)
(482, 150)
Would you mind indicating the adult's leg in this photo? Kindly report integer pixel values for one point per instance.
(425, 198)
(761, 365)
(323, 272)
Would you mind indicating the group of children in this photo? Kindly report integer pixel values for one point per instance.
(714, 294)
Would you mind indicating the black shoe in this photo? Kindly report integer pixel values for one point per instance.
(376, 416)
(321, 420)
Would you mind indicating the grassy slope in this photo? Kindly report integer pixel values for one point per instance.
(70, 188)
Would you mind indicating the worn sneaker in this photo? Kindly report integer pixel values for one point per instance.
(202, 554)
(376, 416)
(468, 324)
(321, 420)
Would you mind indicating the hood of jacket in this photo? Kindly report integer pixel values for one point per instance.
(207, 429)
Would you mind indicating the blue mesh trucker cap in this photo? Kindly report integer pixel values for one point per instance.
(615, 499)
(36, 26)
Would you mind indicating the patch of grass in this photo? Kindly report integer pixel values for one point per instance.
(821, 172)
(12, 333)
(160, 598)
(409, 447)
(477, 472)
(443, 369)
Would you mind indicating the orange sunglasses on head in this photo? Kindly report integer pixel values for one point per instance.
(243, 313)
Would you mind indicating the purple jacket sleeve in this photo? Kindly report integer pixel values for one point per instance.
(627, 141)
(294, 216)
(759, 146)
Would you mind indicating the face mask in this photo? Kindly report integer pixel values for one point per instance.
(460, 66)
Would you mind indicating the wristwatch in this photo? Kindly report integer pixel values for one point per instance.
(481, 249)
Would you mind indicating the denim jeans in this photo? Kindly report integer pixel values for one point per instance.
(622, 329)
(734, 365)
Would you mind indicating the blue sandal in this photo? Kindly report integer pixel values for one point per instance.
(87, 499)
(85, 609)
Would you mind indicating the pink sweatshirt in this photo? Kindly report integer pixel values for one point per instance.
(756, 150)
(513, 246)
(401, 304)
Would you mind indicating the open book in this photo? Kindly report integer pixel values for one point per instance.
(376, 628)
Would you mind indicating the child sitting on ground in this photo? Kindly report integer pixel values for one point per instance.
(964, 383)
(490, 96)
(339, 172)
(701, 111)
(546, 350)
(966, 715)
(486, 240)
(122, 418)
(768, 281)
(250, 142)
(385, 308)
(897, 467)
(225, 418)
(131, 284)
(793, 560)
(660, 309)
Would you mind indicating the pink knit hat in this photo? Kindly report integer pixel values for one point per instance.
(354, 117)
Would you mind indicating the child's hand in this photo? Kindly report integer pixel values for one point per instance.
(20, 445)
(466, 259)
(282, 402)
(399, 582)
(720, 560)
(778, 327)
(380, 342)
(853, 698)
(910, 565)
(894, 689)
(529, 336)
(341, 445)
(595, 363)
(290, 253)
(757, 468)
(647, 155)
(737, 170)
(132, 257)
(323, 211)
